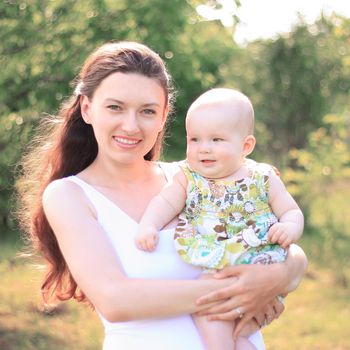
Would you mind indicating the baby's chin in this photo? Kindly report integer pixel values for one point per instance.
(211, 174)
(206, 173)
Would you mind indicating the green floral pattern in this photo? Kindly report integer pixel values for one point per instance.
(226, 222)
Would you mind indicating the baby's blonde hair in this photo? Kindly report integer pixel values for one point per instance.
(238, 101)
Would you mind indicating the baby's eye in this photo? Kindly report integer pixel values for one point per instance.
(114, 107)
(217, 139)
(194, 139)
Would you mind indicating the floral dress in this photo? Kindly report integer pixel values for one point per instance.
(226, 222)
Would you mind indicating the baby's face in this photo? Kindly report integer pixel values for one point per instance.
(215, 141)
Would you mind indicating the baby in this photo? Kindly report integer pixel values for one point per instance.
(233, 210)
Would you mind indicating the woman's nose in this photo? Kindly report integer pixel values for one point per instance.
(130, 123)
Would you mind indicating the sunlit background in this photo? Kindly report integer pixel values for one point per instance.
(292, 58)
(264, 19)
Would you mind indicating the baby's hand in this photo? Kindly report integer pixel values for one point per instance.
(147, 239)
(283, 233)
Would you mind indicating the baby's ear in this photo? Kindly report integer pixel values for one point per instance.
(249, 144)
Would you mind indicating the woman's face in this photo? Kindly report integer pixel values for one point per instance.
(127, 112)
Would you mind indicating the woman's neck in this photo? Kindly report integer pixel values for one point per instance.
(108, 174)
(129, 186)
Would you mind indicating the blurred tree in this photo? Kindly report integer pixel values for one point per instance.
(293, 81)
(322, 172)
(44, 43)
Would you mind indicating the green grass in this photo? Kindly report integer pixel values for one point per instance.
(317, 315)
(23, 324)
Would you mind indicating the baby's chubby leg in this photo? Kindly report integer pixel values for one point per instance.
(243, 343)
(215, 334)
(250, 328)
(218, 334)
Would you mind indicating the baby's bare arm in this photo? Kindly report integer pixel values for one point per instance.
(160, 211)
(290, 218)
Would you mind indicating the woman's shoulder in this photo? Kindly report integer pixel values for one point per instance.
(65, 198)
(170, 168)
(260, 168)
(180, 170)
(63, 184)
(61, 191)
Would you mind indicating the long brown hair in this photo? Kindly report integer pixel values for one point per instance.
(65, 145)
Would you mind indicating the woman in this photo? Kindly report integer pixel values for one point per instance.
(85, 188)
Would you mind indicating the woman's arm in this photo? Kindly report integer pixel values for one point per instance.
(96, 269)
(256, 286)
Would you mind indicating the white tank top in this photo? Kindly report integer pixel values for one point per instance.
(157, 334)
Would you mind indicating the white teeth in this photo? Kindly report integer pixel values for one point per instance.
(126, 141)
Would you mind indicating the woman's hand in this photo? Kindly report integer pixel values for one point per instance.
(255, 286)
(262, 318)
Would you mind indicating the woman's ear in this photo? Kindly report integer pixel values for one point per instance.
(249, 144)
(85, 108)
(164, 117)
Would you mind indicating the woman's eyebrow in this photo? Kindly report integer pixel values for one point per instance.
(114, 100)
(110, 99)
(151, 104)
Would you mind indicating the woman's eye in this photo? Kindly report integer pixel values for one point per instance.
(114, 107)
(149, 111)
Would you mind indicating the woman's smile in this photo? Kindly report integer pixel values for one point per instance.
(127, 142)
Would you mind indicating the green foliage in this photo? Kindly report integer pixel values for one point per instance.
(324, 162)
(321, 181)
(15, 132)
(45, 42)
(196, 67)
(294, 80)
